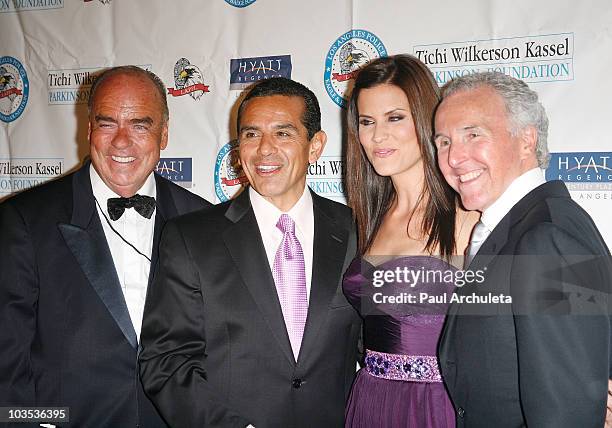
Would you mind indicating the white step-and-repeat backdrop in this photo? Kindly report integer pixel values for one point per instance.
(52, 50)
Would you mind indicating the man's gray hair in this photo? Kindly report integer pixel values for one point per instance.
(133, 70)
(522, 104)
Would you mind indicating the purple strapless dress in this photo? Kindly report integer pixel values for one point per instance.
(400, 385)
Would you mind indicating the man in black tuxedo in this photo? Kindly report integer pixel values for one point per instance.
(246, 323)
(75, 258)
(541, 359)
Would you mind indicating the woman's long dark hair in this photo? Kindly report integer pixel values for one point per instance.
(371, 195)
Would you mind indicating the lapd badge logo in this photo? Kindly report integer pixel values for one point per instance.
(229, 177)
(14, 89)
(350, 52)
(240, 3)
(188, 80)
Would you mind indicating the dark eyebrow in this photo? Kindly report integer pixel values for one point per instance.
(100, 118)
(396, 110)
(139, 120)
(144, 120)
(286, 126)
(248, 128)
(276, 127)
(387, 113)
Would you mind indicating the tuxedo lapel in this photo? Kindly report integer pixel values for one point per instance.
(165, 209)
(243, 240)
(86, 240)
(329, 250)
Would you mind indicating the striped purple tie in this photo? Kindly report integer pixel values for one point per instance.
(290, 278)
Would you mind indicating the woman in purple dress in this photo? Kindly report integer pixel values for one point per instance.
(409, 227)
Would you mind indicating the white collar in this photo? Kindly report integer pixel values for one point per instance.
(520, 187)
(102, 192)
(301, 212)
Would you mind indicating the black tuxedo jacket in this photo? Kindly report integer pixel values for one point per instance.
(542, 361)
(215, 346)
(66, 338)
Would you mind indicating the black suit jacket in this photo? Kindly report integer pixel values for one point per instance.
(66, 337)
(215, 347)
(542, 361)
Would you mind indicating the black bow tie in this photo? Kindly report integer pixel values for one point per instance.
(144, 205)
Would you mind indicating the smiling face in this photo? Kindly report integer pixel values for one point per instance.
(477, 154)
(386, 130)
(274, 148)
(126, 132)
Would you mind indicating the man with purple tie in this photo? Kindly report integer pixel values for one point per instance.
(246, 323)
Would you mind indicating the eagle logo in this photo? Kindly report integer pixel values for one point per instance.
(229, 176)
(346, 56)
(351, 58)
(8, 89)
(188, 80)
(14, 89)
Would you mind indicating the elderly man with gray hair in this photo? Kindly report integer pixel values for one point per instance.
(530, 345)
(77, 256)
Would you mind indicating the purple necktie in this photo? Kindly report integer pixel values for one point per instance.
(290, 278)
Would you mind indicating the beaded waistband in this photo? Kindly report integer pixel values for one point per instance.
(412, 368)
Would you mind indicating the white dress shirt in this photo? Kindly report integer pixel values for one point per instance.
(132, 268)
(516, 191)
(267, 216)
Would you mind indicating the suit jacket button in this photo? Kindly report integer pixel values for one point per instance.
(460, 412)
(296, 383)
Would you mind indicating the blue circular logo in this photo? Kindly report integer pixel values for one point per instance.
(240, 3)
(229, 178)
(351, 51)
(14, 88)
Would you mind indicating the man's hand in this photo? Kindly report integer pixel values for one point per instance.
(608, 423)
